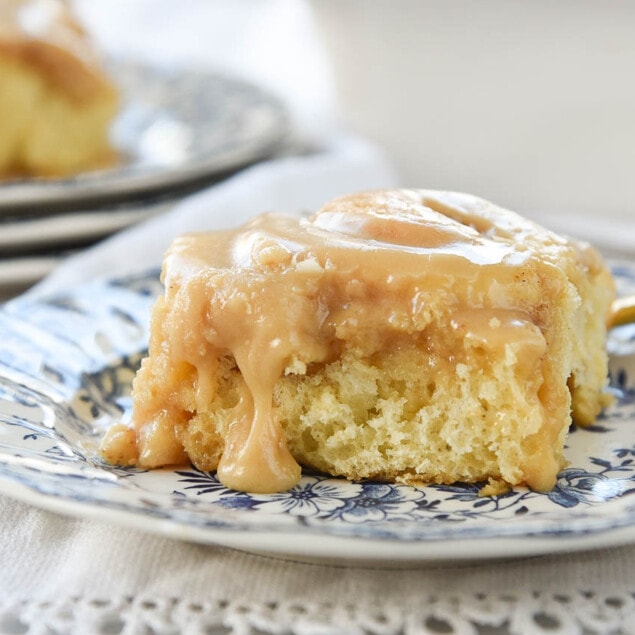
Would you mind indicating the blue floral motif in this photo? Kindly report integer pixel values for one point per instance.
(576, 485)
(379, 502)
(202, 482)
(463, 492)
(207, 484)
(474, 505)
(106, 392)
(312, 496)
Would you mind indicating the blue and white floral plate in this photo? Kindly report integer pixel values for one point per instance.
(66, 364)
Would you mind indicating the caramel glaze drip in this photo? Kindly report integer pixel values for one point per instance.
(281, 293)
(43, 34)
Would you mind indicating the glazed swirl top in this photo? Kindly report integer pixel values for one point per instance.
(282, 293)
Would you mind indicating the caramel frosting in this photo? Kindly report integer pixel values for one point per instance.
(282, 293)
(43, 34)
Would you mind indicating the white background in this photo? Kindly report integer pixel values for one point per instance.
(529, 104)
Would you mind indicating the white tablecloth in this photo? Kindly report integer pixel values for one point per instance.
(78, 576)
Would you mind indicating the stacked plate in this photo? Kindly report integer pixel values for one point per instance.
(176, 132)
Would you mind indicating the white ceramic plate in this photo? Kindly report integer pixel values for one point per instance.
(31, 247)
(66, 364)
(174, 127)
(33, 234)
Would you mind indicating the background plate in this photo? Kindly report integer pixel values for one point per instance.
(174, 127)
(66, 365)
(25, 234)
